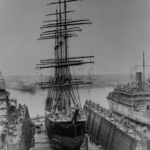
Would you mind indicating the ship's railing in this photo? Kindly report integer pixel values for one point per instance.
(125, 92)
(142, 98)
(118, 99)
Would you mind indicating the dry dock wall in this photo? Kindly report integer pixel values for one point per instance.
(108, 135)
(23, 141)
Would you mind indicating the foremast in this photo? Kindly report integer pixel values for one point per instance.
(62, 87)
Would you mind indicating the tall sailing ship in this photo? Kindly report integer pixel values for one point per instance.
(132, 100)
(65, 121)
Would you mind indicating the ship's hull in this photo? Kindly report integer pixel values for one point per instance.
(138, 116)
(69, 135)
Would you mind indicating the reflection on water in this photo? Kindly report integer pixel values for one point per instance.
(35, 101)
(97, 95)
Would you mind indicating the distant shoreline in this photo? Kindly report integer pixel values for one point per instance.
(33, 89)
(27, 83)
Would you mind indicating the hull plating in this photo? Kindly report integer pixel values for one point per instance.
(70, 135)
(139, 116)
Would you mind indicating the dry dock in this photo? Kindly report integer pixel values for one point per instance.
(42, 143)
(114, 132)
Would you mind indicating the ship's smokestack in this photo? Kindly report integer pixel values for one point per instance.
(139, 79)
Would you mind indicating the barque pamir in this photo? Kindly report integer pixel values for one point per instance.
(65, 121)
(132, 100)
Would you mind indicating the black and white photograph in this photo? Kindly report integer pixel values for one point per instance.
(74, 75)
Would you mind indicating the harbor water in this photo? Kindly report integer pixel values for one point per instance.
(35, 101)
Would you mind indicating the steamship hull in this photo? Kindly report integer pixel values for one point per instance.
(65, 134)
(138, 116)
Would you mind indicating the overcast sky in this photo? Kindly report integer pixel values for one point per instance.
(119, 34)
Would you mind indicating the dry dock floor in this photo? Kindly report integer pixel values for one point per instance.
(41, 142)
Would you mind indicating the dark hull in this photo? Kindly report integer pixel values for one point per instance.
(69, 135)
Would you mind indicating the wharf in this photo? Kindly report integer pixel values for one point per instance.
(41, 142)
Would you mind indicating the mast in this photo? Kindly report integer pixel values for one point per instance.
(63, 87)
(131, 79)
(143, 68)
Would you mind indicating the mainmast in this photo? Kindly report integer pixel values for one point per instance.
(143, 68)
(63, 87)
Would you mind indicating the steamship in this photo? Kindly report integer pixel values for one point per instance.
(132, 100)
